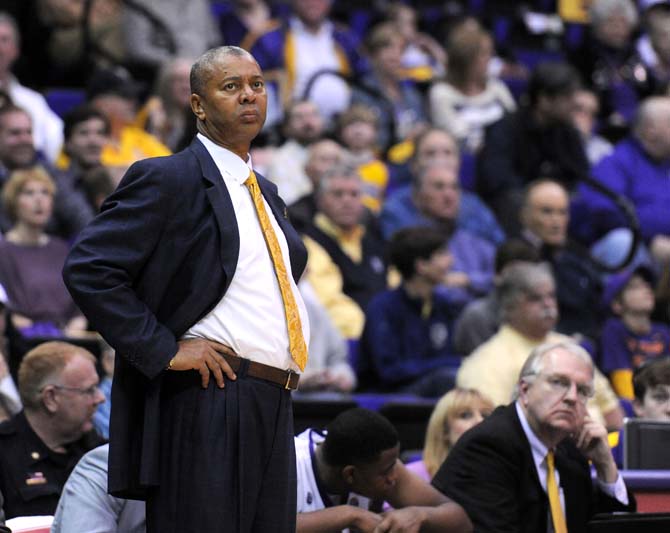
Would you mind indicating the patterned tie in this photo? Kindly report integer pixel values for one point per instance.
(296, 341)
(557, 516)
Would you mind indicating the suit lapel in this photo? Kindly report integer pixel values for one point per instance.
(222, 206)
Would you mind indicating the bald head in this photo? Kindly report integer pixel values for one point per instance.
(545, 211)
(202, 69)
(322, 156)
(652, 127)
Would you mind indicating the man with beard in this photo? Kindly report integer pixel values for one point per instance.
(525, 468)
(529, 313)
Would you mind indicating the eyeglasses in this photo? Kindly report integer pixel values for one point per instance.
(561, 385)
(89, 391)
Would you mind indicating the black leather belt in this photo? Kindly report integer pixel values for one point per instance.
(286, 378)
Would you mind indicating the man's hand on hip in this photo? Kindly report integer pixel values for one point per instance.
(204, 356)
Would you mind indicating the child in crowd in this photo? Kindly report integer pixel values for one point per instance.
(651, 385)
(630, 337)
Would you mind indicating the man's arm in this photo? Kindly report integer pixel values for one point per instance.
(335, 519)
(421, 507)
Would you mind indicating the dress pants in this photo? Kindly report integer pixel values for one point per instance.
(227, 457)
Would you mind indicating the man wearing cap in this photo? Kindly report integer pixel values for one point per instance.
(190, 272)
(629, 337)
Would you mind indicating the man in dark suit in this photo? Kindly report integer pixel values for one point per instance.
(190, 273)
(525, 468)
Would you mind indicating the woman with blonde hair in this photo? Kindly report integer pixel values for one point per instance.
(455, 413)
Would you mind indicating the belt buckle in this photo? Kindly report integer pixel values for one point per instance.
(287, 385)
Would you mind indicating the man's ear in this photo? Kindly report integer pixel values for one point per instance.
(638, 408)
(196, 107)
(49, 399)
(523, 389)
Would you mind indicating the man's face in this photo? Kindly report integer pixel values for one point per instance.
(359, 135)
(557, 109)
(311, 12)
(78, 397)
(234, 104)
(305, 123)
(655, 404)
(180, 84)
(376, 479)
(16, 140)
(546, 213)
(536, 311)
(9, 50)
(342, 202)
(439, 194)
(435, 268)
(322, 156)
(438, 147)
(555, 401)
(86, 142)
(387, 58)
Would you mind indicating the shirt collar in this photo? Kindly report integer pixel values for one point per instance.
(537, 447)
(231, 166)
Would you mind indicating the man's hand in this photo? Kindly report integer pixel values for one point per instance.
(205, 357)
(592, 442)
(364, 521)
(407, 520)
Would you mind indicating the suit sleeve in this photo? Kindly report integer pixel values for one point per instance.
(108, 258)
(480, 478)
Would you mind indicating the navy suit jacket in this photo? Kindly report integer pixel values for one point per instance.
(157, 259)
(491, 473)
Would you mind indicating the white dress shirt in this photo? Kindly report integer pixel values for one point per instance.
(250, 317)
(316, 51)
(539, 450)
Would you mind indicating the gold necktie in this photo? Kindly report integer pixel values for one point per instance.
(296, 341)
(557, 516)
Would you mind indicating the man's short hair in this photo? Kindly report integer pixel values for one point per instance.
(512, 251)
(203, 66)
(552, 79)
(79, 114)
(651, 374)
(409, 244)
(531, 186)
(534, 364)
(357, 437)
(42, 365)
(520, 279)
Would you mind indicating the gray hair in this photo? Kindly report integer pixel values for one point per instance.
(534, 364)
(205, 64)
(601, 10)
(338, 170)
(519, 279)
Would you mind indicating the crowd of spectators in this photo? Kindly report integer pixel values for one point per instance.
(437, 157)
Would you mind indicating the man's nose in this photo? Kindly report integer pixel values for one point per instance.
(247, 94)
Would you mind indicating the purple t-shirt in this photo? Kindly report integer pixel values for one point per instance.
(621, 349)
(31, 275)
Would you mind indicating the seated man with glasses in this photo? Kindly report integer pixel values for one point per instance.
(526, 467)
(40, 446)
